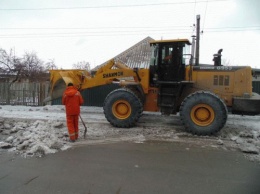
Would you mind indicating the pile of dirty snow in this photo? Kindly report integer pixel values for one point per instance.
(244, 131)
(36, 131)
(33, 138)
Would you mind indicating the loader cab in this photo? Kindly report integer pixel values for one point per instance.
(167, 73)
(167, 61)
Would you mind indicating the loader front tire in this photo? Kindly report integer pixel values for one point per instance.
(122, 108)
(203, 113)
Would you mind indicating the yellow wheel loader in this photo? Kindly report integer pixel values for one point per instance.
(203, 95)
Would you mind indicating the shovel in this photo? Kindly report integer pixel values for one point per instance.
(85, 131)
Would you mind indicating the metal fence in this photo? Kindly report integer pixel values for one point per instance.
(256, 86)
(28, 94)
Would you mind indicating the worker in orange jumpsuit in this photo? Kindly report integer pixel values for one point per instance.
(72, 100)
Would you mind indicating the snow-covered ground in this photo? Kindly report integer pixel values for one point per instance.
(36, 131)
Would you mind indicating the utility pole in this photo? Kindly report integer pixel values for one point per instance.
(193, 50)
(197, 41)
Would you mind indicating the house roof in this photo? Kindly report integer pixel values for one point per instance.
(136, 56)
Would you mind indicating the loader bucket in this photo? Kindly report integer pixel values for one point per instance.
(58, 89)
(60, 79)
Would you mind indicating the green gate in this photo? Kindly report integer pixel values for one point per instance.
(93, 96)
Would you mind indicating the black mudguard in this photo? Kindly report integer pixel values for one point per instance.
(246, 106)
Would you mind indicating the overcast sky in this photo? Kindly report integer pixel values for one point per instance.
(70, 31)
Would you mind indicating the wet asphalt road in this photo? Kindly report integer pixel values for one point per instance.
(129, 168)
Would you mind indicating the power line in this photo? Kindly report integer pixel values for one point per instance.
(118, 32)
(92, 32)
(85, 28)
(205, 14)
(130, 27)
(231, 30)
(102, 34)
(194, 11)
(107, 6)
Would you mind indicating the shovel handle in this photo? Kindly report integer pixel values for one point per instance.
(85, 131)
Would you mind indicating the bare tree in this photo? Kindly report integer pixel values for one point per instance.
(33, 66)
(82, 65)
(225, 62)
(10, 65)
(50, 65)
(14, 68)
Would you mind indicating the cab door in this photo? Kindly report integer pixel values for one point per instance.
(170, 62)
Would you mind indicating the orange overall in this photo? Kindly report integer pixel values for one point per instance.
(72, 100)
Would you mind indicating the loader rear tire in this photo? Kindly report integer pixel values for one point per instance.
(122, 108)
(203, 113)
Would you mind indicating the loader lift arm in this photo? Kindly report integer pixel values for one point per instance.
(111, 73)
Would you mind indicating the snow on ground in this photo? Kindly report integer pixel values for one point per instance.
(36, 131)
